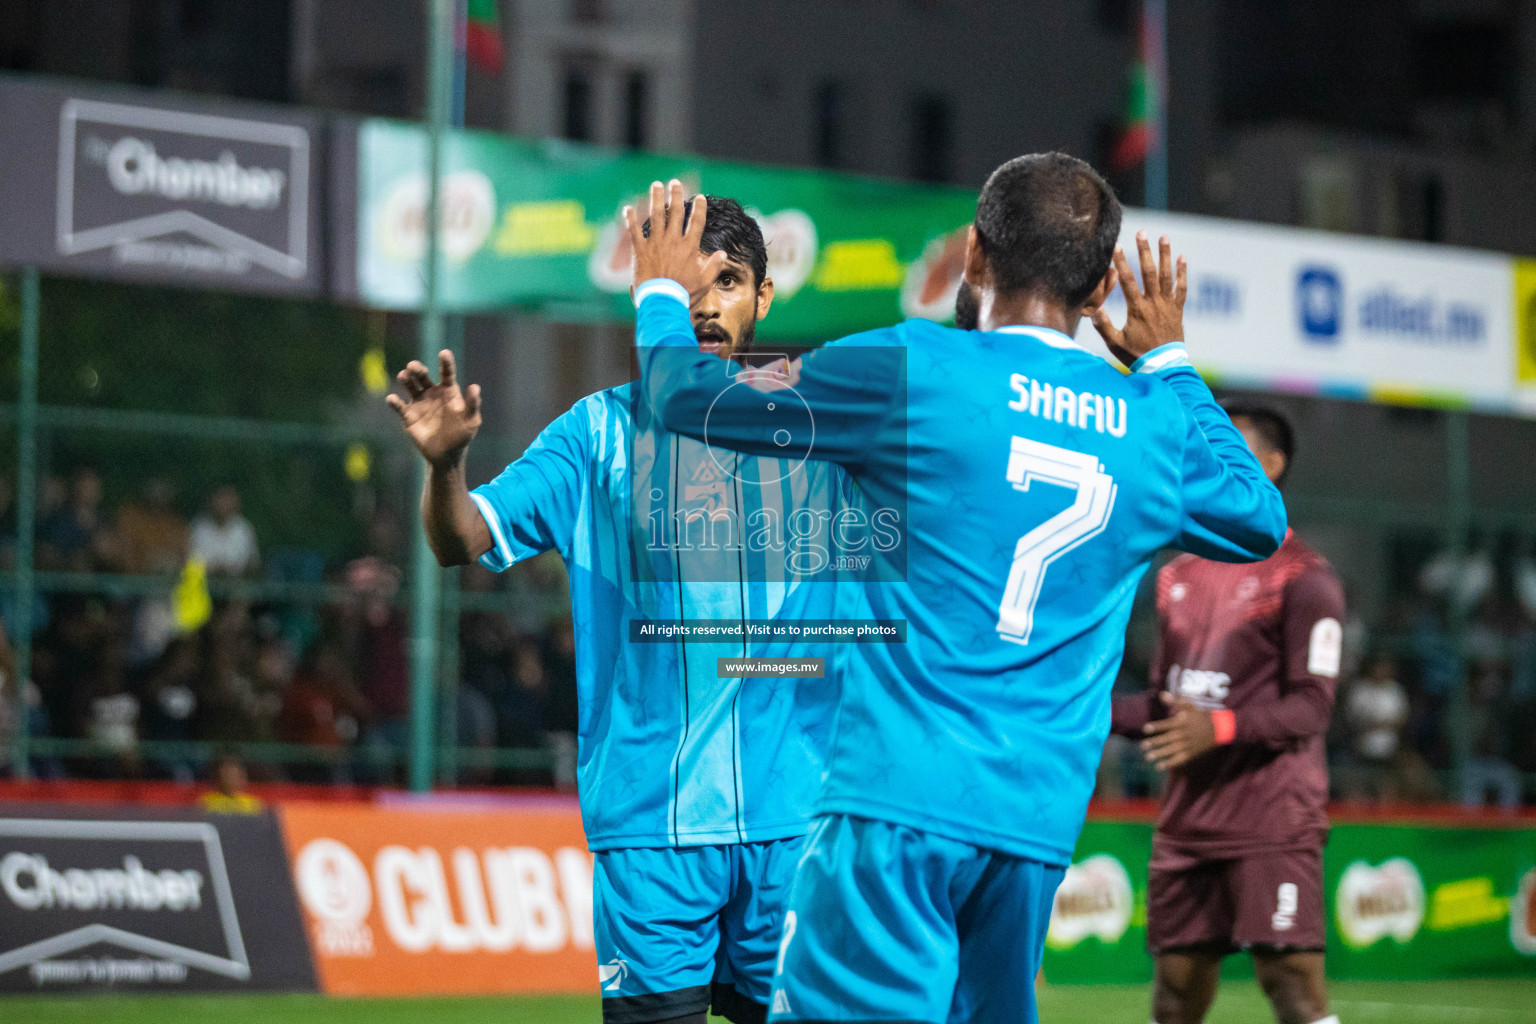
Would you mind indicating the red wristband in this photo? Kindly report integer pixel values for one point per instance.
(1225, 723)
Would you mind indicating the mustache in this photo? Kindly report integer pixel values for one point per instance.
(711, 332)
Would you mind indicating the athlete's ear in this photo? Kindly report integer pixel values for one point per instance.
(764, 297)
(1102, 290)
(975, 259)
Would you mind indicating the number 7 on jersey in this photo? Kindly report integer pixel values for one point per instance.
(1084, 519)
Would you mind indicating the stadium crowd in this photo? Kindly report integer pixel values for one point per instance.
(118, 668)
(171, 660)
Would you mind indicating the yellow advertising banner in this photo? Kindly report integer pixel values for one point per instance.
(1525, 322)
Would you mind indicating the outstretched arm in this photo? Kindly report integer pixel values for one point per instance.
(441, 420)
(831, 405)
(1232, 513)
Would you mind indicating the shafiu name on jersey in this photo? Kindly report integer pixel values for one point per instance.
(1060, 404)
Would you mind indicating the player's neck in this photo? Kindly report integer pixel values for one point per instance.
(1026, 309)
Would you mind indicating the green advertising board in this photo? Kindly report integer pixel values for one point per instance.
(535, 224)
(1408, 901)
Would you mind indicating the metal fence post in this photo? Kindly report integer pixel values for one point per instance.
(424, 607)
(26, 514)
(1458, 522)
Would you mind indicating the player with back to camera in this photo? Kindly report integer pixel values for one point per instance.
(1241, 686)
(695, 790)
(1038, 482)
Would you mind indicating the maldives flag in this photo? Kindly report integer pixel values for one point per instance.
(1135, 139)
(482, 35)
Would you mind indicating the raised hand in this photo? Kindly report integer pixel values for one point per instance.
(440, 419)
(1154, 316)
(669, 251)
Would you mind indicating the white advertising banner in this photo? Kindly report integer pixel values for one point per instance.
(1310, 312)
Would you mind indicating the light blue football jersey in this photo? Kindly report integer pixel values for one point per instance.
(668, 753)
(1037, 482)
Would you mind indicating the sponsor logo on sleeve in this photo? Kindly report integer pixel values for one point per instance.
(1374, 903)
(1094, 899)
(1325, 648)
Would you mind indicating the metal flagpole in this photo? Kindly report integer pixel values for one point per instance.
(26, 514)
(1154, 27)
(425, 575)
(448, 638)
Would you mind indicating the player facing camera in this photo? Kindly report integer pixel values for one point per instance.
(725, 315)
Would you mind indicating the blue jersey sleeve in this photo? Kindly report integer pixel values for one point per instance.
(850, 388)
(1232, 513)
(531, 506)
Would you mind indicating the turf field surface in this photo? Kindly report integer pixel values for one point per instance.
(1502, 1001)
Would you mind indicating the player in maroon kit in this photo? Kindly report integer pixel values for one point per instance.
(1242, 684)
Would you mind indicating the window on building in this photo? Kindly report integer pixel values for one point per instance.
(577, 122)
(932, 153)
(1117, 17)
(828, 116)
(637, 94)
(1463, 60)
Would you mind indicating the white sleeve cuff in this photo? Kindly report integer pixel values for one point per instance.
(1164, 357)
(660, 286)
(500, 545)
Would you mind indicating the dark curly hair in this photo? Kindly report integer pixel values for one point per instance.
(728, 228)
(1048, 222)
(1272, 425)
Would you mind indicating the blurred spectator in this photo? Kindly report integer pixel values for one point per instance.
(170, 699)
(1375, 710)
(272, 674)
(18, 697)
(222, 538)
(525, 704)
(374, 631)
(228, 706)
(73, 535)
(1489, 767)
(7, 524)
(64, 655)
(1460, 578)
(321, 708)
(564, 713)
(152, 537)
(231, 787)
(108, 711)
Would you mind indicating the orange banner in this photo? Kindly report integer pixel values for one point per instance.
(403, 900)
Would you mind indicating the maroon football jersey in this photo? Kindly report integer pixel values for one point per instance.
(1262, 640)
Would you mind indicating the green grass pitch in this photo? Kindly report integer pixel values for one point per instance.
(1504, 1001)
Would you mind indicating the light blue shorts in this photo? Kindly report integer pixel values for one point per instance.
(677, 928)
(888, 923)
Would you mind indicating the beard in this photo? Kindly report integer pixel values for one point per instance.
(716, 338)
